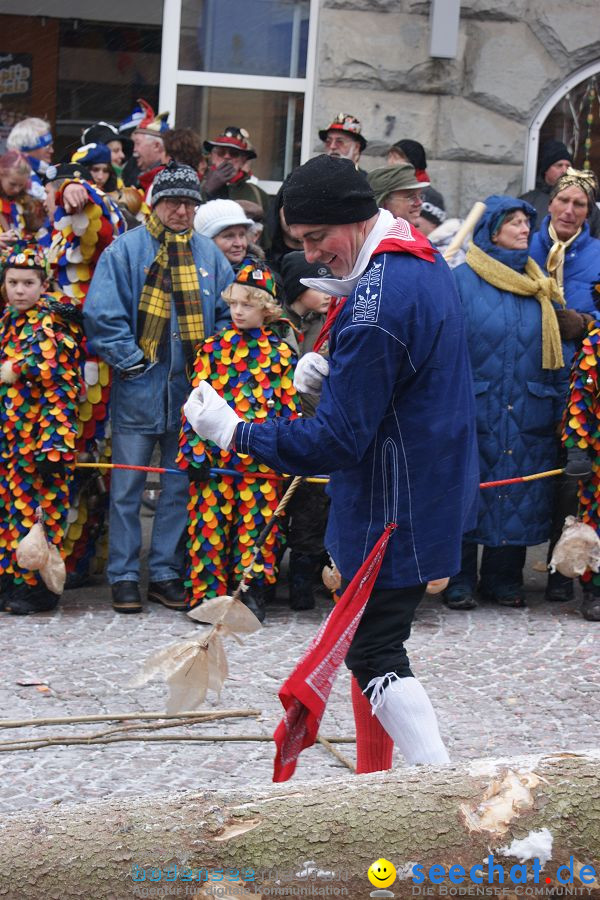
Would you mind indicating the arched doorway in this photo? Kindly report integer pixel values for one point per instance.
(571, 115)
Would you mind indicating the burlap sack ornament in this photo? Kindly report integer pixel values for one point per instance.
(577, 549)
(36, 554)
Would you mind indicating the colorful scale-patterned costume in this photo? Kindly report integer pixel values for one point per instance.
(39, 348)
(77, 242)
(253, 371)
(14, 215)
(581, 428)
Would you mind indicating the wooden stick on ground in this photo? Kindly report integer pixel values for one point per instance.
(114, 738)
(203, 715)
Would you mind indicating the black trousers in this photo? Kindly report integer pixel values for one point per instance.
(378, 645)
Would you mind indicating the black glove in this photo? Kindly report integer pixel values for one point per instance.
(49, 469)
(217, 178)
(198, 473)
(133, 371)
(578, 464)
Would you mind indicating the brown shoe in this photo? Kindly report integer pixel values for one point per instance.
(170, 593)
(126, 597)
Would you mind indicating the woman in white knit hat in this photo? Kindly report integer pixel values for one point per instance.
(226, 223)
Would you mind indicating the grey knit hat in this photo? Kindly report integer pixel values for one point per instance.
(176, 180)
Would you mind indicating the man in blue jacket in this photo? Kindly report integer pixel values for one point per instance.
(395, 427)
(155, 295)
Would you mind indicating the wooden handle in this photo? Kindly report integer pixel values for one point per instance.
(473, 217)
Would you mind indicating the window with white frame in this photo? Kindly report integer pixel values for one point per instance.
(246, 63)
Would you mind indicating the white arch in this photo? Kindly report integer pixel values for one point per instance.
(540, 117)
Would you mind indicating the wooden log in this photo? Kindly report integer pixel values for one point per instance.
(447, 815)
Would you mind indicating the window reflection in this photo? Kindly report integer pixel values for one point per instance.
(253, 37)
(272, 118)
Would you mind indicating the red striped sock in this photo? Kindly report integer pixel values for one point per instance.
(374, 746)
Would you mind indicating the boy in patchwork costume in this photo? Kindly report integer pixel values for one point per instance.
(252, 369)
(39, 389)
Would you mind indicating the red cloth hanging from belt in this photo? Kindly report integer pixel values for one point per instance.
(401, 238)
(305, 693)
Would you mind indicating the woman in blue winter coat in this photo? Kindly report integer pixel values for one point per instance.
(520, 383)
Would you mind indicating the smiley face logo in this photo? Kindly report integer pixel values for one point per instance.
(381, 873)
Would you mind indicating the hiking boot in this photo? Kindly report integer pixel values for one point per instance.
(456, 600)
(126, 597)
(590, 608)
(254, 599)
(171, 593)
(27, 599)
(559, 588)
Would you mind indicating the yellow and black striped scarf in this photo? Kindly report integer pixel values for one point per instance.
(173, 274)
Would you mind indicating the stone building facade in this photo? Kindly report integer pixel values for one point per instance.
(474, 114)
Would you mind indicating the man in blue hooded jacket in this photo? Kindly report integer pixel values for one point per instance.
(395, 427)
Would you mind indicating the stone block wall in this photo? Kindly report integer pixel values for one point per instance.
(472, 113)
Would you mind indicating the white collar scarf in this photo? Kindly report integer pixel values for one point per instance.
(343, 287)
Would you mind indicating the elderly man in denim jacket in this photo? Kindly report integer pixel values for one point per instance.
(155, 295)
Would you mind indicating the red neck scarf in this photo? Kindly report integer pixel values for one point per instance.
(396, 240)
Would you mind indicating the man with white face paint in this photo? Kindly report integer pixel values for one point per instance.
(343, 138)
(395, 427)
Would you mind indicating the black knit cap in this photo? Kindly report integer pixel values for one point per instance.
(433, 208)
(327, 190)
(413, 151)
(550, 153)
(295, 266)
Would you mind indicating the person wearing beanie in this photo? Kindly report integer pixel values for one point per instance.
(155, 296)
(229, 176)
(412, 152)
(306, 309)
(394, 428)
(225, 223)
(398, 190)
(249, 366)
(97, 159)
(343, 138)
(433, 211)
(120, 146)
(435, 225)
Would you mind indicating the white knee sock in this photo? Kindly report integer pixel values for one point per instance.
(405, 711)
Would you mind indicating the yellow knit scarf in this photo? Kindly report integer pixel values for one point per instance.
(531, 283)
(555, 263)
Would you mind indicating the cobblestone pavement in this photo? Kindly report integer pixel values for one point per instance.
(503, 682)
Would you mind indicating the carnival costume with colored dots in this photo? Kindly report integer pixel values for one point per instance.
(252, 370)
(581, 428)
(13, 213)
(38, 412)
(78, 240)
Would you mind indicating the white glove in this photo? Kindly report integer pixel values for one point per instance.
(90, 373)
(311, 369)
(210, 416)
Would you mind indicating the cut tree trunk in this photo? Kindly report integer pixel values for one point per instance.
(450, 815)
